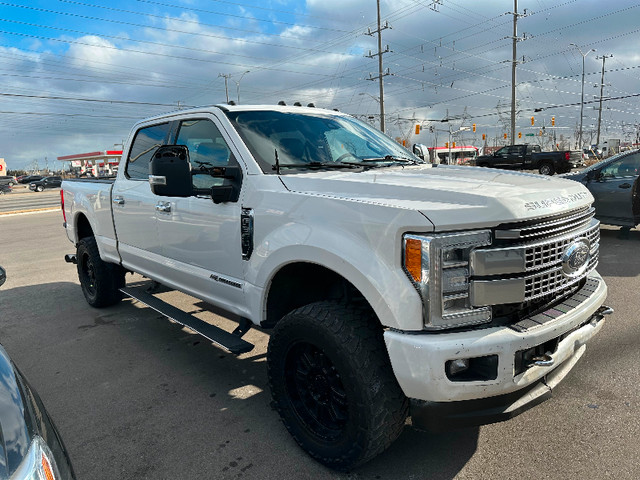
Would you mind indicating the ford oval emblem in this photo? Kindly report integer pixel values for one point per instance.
(576, 257)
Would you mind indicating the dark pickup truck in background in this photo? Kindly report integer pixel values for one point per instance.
(530, 157)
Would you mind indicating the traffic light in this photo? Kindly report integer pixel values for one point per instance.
(553, 121)
(540, 133)
(446, 144)
(519, 134)
(453, 145)
(417, 129)
(532, 121)
(474, 128)
(505, 136)
(404, 143)
(484, 136)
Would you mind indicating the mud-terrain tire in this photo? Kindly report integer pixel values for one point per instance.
(100, 281)
(546, 169)
(332, 383)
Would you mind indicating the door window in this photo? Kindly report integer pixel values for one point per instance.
(628, 166)
(207, 149)
(145, 144)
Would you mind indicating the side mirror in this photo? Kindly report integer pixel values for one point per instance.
(3, 276)
(170, 172)
(229, 191)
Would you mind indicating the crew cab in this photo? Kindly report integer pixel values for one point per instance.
(530, 157)
(392, 287)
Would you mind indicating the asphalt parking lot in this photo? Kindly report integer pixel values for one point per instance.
(138, 397)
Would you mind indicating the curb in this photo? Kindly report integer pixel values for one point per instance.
(27, 212)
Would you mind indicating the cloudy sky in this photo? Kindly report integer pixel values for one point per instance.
(76, 75)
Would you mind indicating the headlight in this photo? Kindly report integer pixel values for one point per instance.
(438, 265)
(38, 463)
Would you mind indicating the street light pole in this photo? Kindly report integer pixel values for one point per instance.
(584, 55)
(238, 85)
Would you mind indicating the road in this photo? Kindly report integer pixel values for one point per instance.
(22, 199)
(138, 397)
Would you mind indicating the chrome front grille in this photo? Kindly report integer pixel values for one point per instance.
(552, 281)
(528, 260)
(549, 253)
(553, 226)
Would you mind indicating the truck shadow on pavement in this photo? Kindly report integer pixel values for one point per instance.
(161, 402)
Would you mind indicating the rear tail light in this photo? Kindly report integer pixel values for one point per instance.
(64, 215)
(567, 155)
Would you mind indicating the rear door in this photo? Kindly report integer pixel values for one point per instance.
(134, 205)
(614, 188)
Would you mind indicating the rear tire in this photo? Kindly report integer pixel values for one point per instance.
(332, 383)
(100, 281)
(483, 165)
(546, 169)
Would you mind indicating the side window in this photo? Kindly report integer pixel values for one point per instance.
(207, 149)
(628, 166)
(145, 144)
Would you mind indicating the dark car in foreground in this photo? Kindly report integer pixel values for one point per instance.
(46, 182)
(614, 185)
(4, 189)
(30, 446)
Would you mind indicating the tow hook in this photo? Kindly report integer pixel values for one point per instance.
(604, 310)
(71, 258)
(541, 361)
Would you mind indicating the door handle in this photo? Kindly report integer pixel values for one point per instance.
(625, 185)
(118, 200)
(163, 207)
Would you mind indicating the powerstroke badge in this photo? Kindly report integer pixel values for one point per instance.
(559, 200)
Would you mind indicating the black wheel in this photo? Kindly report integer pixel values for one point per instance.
(484, 165)
(332, 384)
(39, 188)
(100, 281)
(546, 169)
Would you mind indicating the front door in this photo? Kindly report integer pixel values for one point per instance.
(201, 240)
(613, 190)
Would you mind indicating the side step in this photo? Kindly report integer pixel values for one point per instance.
(224, 339)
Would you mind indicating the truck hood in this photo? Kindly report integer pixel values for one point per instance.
(450, 197)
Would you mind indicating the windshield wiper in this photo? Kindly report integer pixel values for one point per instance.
(314, 166)
(392, 159)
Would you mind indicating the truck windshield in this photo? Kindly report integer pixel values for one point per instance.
(317, 140)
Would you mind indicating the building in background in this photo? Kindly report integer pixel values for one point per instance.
(96, 164)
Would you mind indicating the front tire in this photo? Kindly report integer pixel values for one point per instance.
(39, 188)
(332, 384)
(100, 281)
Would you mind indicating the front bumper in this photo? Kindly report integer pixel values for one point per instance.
(419, 360)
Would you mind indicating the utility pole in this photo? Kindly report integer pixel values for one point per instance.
(381, 73)
(226, 76)
(513, 71)
(603, 57)
(514, 63)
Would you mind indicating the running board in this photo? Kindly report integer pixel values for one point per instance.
(229, 341)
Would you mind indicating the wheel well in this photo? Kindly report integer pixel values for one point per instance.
(83, 227)
(300, 284)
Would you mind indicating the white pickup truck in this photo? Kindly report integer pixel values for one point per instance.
(455, 295)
